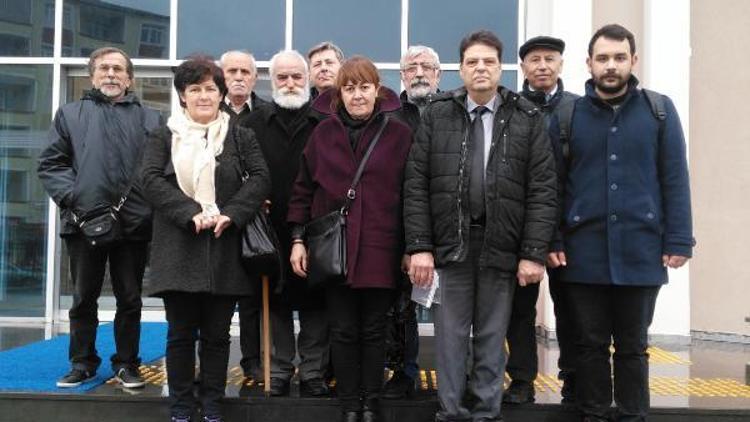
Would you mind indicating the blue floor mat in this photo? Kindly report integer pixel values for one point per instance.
(38, 366)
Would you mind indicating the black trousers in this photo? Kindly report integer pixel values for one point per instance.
(357, 320)
(206, 318)
(522, 360)
(127, 261)
(606, 314)
(564, 327)
(249, 310)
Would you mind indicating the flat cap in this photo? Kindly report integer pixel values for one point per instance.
(551, 43)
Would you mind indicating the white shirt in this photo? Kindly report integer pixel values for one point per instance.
(488, 119)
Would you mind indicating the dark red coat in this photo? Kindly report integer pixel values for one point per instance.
(374, 225)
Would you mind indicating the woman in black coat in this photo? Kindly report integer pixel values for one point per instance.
(193, 176)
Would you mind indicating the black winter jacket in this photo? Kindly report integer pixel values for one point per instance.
(520, 185)
(95, 148)
(187, 262)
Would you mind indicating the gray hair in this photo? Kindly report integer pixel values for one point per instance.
(416, 50)
(326, 45)
(99, 52)
(287, 53)
(249, 55)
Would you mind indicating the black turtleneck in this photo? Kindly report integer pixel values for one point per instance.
(616, 102)
(354, 127)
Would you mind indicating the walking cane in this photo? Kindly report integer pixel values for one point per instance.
(266, 340)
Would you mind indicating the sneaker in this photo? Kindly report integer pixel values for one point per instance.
(75, 377)
(129, 377)
(399, 386)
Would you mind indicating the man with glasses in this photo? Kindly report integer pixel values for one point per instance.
(283, 128)
(90, 163)
(420, 74)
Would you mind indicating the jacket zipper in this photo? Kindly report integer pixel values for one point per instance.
(462, 164)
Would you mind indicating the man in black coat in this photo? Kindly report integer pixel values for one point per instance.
(89, 166)
(541, 63)
(480, 203)
(240, 75)
(283, 128)
(420, 74)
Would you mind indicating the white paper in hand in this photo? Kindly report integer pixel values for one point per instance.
(426, 296)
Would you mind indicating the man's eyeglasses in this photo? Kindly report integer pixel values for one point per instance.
(411, 68)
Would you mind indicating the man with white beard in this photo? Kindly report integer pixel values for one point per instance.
(283, 128)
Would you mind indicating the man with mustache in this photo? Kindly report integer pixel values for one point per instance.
(240, 75)
(325, 60)
(283, 128)
(420, 74)
(626, 219)
(541, 63)
(89, 166)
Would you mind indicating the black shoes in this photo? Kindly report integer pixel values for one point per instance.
(568, 390)
(279, 387)
(75, 377)
(129, 377)
(315, 387)
(519, 392)
(350, 416)
(398, 387)
(369, 416)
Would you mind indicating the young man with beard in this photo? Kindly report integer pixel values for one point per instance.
(283, 128)
(541, 63)
(420, 74)
(626, 219)
(240, 75)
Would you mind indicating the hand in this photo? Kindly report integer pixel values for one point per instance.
(421, 269)
(222, 222)
(405, 263)
(203, 222)
(298, 259)
(673, 261)
(556, 259)
(529, 272)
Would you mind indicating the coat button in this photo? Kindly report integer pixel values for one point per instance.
(613, 186)
(576, 218)
(650, 216)
(613, 129)
(613, 157)
(613, 217)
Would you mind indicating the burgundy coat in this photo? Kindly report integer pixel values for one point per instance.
(374, 225)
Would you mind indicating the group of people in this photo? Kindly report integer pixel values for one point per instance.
(483, 187)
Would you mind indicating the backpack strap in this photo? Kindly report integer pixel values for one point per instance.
(658, 109)
(564, 112)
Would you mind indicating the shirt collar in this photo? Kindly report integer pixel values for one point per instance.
(491, 104)
(249, 103)
(547, 95)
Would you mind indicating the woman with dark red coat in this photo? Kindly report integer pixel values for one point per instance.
(357, 309)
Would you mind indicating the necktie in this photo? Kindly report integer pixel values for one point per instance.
(476, 180)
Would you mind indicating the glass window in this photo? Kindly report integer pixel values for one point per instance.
(117, 23)
(254, 25)
(373, 31)
(450, 79)
(25, 114)
(391, 79)
(456, 19)
(27, 27)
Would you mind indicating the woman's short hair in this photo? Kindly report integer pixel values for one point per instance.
(355, 70)
(195, 70)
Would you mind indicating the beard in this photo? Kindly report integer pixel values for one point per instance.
(419, 90)
(603, 86)
(291, 99)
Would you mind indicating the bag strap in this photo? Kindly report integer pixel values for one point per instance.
(564, 112)
(352, 192)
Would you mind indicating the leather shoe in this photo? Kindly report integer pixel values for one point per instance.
(350, 416)
(568, 390)
(279, 387)
(519, 392)
(314, 387)
(399, 386)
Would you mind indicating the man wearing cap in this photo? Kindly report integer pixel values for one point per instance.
(541, 63)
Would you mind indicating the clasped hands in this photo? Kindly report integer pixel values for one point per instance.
(205, 222)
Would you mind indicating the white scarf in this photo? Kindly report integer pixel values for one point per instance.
(195, 147)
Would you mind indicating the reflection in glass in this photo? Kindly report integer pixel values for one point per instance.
(25, 114)
(139, 27)
(457, 19)
(212, 28)
(27, 27)
(373, 31)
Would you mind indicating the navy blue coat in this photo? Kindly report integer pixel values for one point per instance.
(626, 198)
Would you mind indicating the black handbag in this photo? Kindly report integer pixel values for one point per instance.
(326, 235)
(260, 244)
(101, 227)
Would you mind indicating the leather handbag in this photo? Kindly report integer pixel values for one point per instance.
(101, 228)
(326, 235)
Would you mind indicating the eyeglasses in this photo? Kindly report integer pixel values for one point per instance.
(105, 68)
(411, 68)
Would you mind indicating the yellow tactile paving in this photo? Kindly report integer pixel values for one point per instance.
(545, 383)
